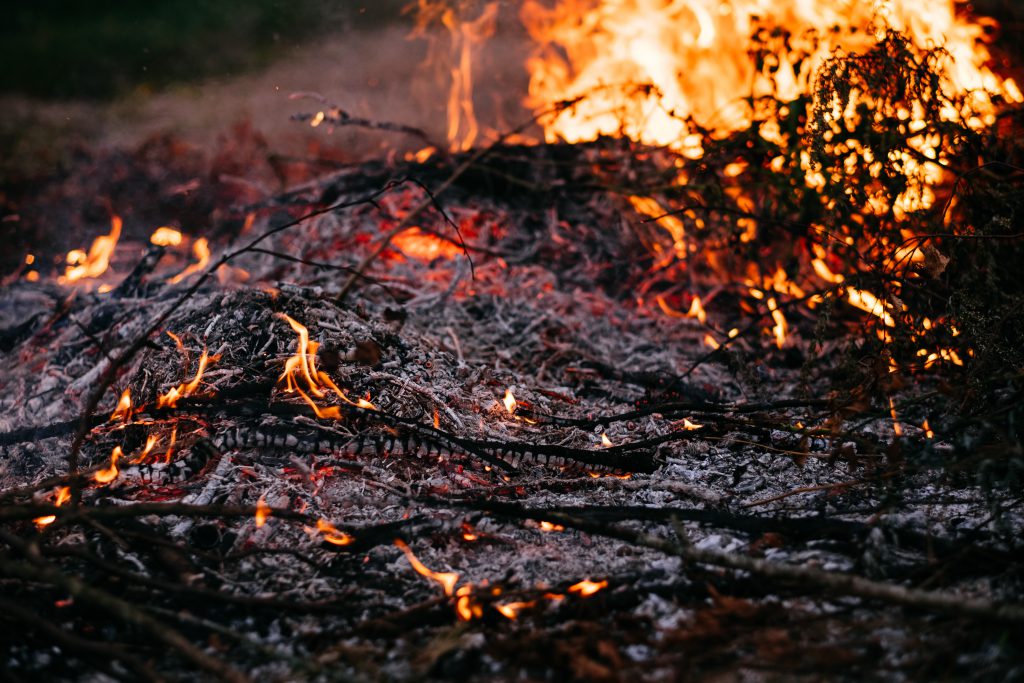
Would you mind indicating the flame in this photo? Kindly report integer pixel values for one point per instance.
(605, 441)
(464, 35)
(548, 526)
(896, 428)
(928, 433)
(109, 474)
(587, 587)
(780, 327)
(510, 402)
(690, 426)
(201, 250)
(150, 444)
(63, 496)
(465, 606)
(174, 394)
(644, 66)
(123, 411)
(262, 512)
(302, 367)
(446, 579)
(95, 263)
(170, 445)
(165, 237)
(332, 534)
(511, 610)
(869, 303)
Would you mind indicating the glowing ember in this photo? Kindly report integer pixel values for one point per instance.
(587, 587)
(548, 526)
(424, 246)
(262, 512)
(896, 428)
(201, 250)
(447, 580)
(109, 474)
(123, 411)
(332, 534)
(95, 263)
(166, 237)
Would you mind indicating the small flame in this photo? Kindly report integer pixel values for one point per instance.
(109, 474)
(302, 367)
(587, 587)
(95, 263)
(780, 327)
(548, 526)
(150, 444)
(201, 250)
(63, 496)
(465, 606)
(165, 237)
(170, 399)
(511, 610)
(605, 441)
(446, 579)
(262, 512)
(332, 534)
(510, 402)
(896, 428)
(123, 411)
(928, 433)
(690, 426)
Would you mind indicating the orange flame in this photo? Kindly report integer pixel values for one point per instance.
(262, 512)
(109, 474)
(174, 394)
(165, 237)
(201, 250)
(447, 580)
(511, 610)
(95, 263)
(63, 496)
(123, 411)
(510, 402)
(587, 587)
(332, 534)
(548, 526)
(302, 366)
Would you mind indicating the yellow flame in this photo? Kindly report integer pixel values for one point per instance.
(201, 250)
(262, 512)
(447, 580)
(166, 237)
(97, 260)
(509, 401)
(587, 587)
(548, 526)
(109, 474)
(332, 534)
(123, 411)
(63, 496)
(511, 610)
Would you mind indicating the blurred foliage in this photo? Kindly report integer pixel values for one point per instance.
(64, 48)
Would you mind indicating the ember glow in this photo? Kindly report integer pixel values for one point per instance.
(447, 580)
(94, 263)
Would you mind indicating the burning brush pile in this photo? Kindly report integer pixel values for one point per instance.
(712, 368)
